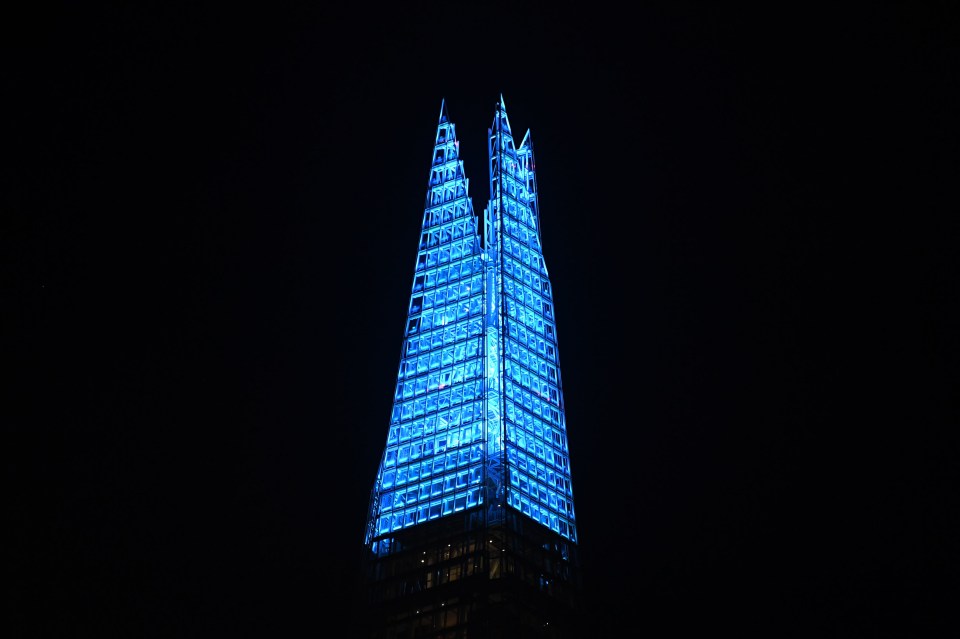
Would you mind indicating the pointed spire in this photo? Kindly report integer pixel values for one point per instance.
(443, 111)
(501, 117)
(527, 143)
(445, 135)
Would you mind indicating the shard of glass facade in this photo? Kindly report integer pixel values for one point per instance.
(478, 418)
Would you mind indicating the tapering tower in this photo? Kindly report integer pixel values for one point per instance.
(471, 531)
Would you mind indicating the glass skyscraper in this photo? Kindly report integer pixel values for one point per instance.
(472, 508)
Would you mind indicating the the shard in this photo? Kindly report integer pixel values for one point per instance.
(472, 529)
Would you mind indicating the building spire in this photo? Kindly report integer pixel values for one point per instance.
(443, 111)
(500, 118)
(527, 143)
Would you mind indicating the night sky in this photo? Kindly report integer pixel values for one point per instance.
(210, 224)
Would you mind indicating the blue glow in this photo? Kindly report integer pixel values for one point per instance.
(478, 408)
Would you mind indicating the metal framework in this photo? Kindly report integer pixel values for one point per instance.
(475, 474)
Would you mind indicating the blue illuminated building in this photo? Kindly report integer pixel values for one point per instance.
(472, 529)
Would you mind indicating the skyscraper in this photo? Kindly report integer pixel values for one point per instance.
(471, 530)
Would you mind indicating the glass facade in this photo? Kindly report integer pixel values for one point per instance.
(478, 418)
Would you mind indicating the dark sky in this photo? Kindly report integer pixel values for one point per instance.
(750, 220)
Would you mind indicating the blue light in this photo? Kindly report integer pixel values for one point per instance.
(478, 411)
